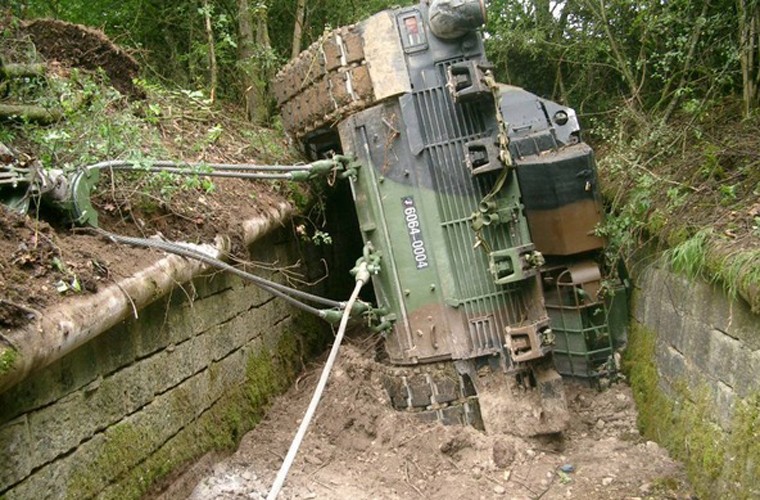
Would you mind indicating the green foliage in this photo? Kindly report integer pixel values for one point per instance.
(95, 127)
(688, 188)
(320, 16)
(590, 54)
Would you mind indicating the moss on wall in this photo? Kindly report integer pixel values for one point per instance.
(269, 372)
(719, 465)
(743, 471)
(8, 356)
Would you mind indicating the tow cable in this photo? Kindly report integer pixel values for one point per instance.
(362, 273)
(72, 193)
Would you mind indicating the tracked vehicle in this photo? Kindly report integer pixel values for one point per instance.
(480, 200)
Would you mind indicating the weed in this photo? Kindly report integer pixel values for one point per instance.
(700, 257)
(727, 194)
(690, 257)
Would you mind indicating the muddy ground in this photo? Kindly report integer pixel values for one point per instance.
(358, 447)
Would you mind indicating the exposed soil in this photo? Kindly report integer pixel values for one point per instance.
(42, 265)
(74, 45)
(358, 447)
(45, 260)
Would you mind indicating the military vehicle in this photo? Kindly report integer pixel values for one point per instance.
(481, 201)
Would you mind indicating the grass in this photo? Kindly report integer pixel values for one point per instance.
(704, 257)
(690, 190)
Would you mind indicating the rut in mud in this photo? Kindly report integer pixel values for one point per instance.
(358, 447)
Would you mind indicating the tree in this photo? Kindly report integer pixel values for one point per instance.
(298, 28)
(256, 58)
(214, 73)
(749, 51)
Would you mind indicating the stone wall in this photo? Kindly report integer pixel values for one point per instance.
(702, 400)
(192, 374)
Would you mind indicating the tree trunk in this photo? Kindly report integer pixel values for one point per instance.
(298, 28)
(693, 41)
(749, 55)
(247, 62)
(599, 11)
(211, 50)
(263, 67)
(18, 70)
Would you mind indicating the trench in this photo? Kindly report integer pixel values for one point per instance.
(201, 396)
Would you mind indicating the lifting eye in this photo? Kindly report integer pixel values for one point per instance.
(561, 118)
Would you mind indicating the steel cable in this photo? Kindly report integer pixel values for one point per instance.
(286, 293)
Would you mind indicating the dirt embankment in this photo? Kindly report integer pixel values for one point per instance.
(74, 45)
(358, 447)
(44, 260)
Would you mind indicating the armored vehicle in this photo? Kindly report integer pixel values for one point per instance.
(480, 200)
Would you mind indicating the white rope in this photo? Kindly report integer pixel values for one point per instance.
(362, 276)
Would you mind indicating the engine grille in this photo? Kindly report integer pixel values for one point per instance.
(446, 128)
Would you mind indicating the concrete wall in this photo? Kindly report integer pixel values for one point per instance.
(706, 352)
(191, 375)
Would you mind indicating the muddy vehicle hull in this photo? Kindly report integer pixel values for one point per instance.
(475, 195)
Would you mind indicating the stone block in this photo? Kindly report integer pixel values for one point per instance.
(170, 367)
(696, 343)
(724, 401)
(47, 483)
(138, 384)
(114, 349)
(218, 309)
(213, 284)
(56, 381)
(33, 392)
(676, 290)
(744, 325)
(227, 373)
(671, 364)
(59, 428)
(711, 306)
(15, 444)
(723, 353)
(671, 326)
(157, 328)
(746, 373)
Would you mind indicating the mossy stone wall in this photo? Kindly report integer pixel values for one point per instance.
(694, 364)
(191, 375)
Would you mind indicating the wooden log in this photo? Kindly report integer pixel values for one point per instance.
(29, 112)
(11, 70)
(59, 330)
